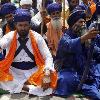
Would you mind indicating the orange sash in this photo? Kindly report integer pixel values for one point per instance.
(36, 78)
(53, 38)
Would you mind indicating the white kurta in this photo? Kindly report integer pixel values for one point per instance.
(37, 19)
(21, 76)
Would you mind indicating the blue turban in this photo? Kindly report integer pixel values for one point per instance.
(54, 7)
(75, 16)
(8, 8)
(22, 15)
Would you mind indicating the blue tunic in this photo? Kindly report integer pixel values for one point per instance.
(73, 54)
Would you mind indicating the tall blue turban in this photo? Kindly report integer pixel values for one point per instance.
(22, 15)
(54, 7)
(75, 16)
(8, 8)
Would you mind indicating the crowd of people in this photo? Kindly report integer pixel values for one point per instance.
(50, 47)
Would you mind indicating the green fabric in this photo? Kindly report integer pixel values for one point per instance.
(3, 91)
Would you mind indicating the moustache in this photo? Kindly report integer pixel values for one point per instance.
(56, 18)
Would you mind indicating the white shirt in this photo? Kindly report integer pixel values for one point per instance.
(37, 19)
(22, 56)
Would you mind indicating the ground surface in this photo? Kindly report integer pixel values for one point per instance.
(24, 96)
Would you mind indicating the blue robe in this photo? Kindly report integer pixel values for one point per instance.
(73, 55)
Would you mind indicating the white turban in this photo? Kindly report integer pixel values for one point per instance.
(23, 2)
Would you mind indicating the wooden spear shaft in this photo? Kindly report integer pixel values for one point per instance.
(43, 7)
(64, 13)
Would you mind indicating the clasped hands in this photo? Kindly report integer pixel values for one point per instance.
(46, 80)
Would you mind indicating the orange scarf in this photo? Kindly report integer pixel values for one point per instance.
(36, 78)
(53, 38)
(93, 7)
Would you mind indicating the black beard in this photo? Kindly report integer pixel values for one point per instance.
(23, 34)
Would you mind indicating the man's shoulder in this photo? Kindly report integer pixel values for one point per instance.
(36, 19)
(36, 34)
(9, 34)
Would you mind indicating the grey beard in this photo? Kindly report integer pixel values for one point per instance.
(81, 30)
(56, 23)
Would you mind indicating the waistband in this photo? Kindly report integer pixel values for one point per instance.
(24, 65)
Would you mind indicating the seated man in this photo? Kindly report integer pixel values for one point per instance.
(73, 53)
(28, 63)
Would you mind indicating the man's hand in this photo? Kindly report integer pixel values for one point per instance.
(46, 80)
(50, 45)
(63, 28)
(89, 35)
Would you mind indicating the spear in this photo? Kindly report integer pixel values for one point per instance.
(63, 13)
(43, 8)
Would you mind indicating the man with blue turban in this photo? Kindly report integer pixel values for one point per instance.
(28, 64)
(7, 11)
(54, 27)
(73, 55)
